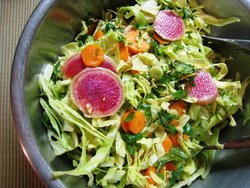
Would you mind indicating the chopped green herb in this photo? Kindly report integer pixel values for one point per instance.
(179, 94)
(130, 117)
(146, 108)
(109, 26)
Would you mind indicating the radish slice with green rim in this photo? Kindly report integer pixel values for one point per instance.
(97, 92)
(109, 63)
(204, 89)
(169, 25)
(73, 66)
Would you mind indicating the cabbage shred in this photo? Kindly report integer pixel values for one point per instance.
(98, 148)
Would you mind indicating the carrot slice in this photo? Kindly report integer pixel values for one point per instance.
(124, 123)
(92, 55)
(170, 166)
(133, 122)
(98, 34)
(136, 44)
(174, 138)
(148, 174)
(159, 39)
(167, 144)
(174, 122)
(124, 53)
(179, 106)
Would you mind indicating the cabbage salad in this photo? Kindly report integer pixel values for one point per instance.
(167, 92)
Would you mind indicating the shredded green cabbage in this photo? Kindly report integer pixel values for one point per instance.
(152, 80)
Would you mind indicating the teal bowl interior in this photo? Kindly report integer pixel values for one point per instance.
(55, 23)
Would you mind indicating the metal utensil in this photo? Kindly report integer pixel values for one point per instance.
(239, 143)
(227, 43)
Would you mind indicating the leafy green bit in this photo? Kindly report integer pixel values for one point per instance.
(57, 73)
(131, 138)
(121, 38)
(179, 94)
(166, 118)
(184, 68)
(140, 26)
(130, 117)
(146, 109)
(175, 154)
(187, 129)
(246, 114)
(131, 148)
(161, 176)
(82, 39)
(154, 47)
(109, 26)
(187, 14)
(171, 129)
(176, 175)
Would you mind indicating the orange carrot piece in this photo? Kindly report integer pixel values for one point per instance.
(124, 53)
(134, 72)
(167, 144)
(170, 166)
(135, 44)
(174, 138)
(136, 122)
(160, 39)
(148, 172)
(92, 55)
(185, 137)
(97, 35)
(124, 124)
(179, 106)
(174, 122)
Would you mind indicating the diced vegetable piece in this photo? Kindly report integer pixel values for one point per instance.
(73, 66)
(156, 72)
(167, 144)
(174, 138)
(92, 55)
(179, 106)
(136, 43)
(97, 92)
(133, 121)
(148, 172)
(98, 34)
(159, 39)
(124, 53)
(170, 166)
(168, 25)
(204, 89)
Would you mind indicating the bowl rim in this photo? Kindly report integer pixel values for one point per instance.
(19, 113)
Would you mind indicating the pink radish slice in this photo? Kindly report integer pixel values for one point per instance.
(204, 88)
(97, 92)
(73, 66)
(108, 63)
(169, 25)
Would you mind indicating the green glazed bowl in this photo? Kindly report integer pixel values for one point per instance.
(55, 23)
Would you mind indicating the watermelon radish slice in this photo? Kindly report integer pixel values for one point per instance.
(97, 92)
(109, 63)
(73, 66)
(204, 89)
(169, 25)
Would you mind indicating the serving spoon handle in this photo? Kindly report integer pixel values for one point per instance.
(222, 42)
(239, 143)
